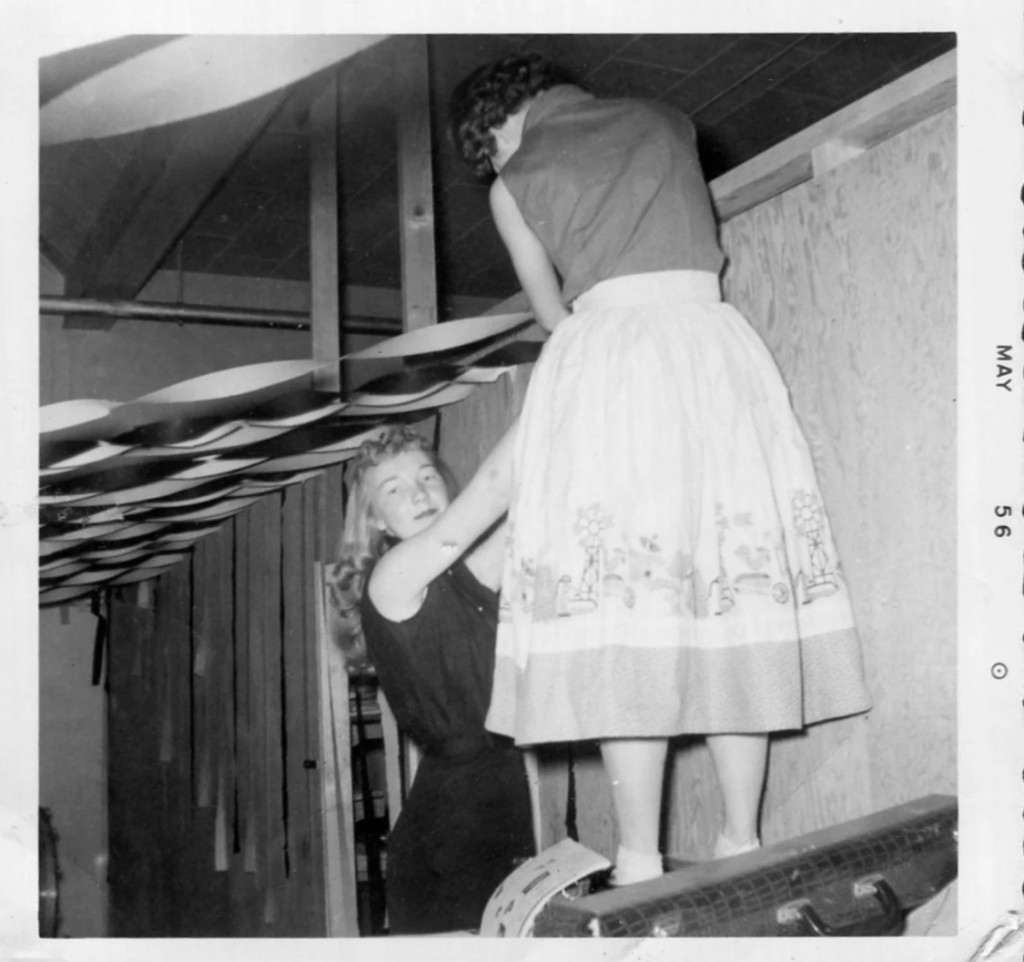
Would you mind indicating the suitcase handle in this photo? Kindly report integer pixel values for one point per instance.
(802, 915)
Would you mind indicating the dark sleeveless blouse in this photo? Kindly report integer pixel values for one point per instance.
(467, 820)
(436, 668)
(612, 187)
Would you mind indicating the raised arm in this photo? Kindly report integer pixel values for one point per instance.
(532, 265)
(399, 581)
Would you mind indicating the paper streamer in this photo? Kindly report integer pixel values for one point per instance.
(220, 510)
(436, 338)
(130, 481)
(62, 420)
(436, 399)
(60, 596)
(189, 77)
(90, 455)
(80, 532)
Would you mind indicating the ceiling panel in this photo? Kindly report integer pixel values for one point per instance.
(746, 92)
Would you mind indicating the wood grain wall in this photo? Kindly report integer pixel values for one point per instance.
(214, 787)
(851, 281)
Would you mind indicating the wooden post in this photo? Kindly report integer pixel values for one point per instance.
(325, 320)
(411, 85)
(415, 183)
(335, 736)
(336, 754)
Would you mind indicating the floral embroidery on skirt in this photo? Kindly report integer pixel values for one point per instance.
(670, 567)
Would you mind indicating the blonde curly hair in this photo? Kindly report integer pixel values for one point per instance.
(363, 543)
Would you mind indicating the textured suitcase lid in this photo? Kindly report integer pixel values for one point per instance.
(700, 895)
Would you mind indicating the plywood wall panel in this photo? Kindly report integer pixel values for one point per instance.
(315, 910)
(171, 603)
(269, 512)
(851, 280)
(692, 802)
(469, 429)
(212, 708)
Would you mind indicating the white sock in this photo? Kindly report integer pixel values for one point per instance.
(632, 867)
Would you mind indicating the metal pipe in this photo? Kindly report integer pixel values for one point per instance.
(188, 314)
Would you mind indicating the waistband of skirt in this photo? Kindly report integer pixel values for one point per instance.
(657, 287)
(469, 744)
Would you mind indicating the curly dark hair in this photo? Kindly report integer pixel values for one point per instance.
(485, 99)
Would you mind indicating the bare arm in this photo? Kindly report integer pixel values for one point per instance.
(399, 581)
(531, 262)
(487, 558)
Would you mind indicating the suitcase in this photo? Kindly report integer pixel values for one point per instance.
(858, 878)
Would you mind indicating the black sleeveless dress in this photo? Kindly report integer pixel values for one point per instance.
(467, 821)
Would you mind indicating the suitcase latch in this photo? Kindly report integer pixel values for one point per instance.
(799, 917)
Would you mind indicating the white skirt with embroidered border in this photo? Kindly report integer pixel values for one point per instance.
(670, 567)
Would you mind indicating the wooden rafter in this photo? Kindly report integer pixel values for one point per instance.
(839, 137)
(166, 183)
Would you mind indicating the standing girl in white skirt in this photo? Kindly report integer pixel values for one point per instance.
(670, 568)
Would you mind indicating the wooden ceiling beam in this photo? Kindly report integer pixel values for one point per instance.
(163, 187)
(914, 97)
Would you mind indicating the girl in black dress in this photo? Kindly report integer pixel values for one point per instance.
(418, 585)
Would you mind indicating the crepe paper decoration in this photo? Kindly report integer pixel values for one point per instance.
(99, 575)
(144, 492)
(253, 383)
(76, 532)
(187, 536)
(50, 499)
(224, 395)
(138, 574)
(363, 403)
(272, 481)
(139, 530)
(178, 430)
(511, 354)
(482, 375)
(48, 548)
(214, 468)
(240, 436)
(83, 478)
(62, 595)
(297, 404)
(123, 474)
(340, 437)
(199, 495)
(410, 381)
(436, 338)
(161, 560)
(323, 435)
(88, 453)
(94, 577)
(311, 461)
(437, 399)
(179, 544)
(120, 555)
(56, 451)
(60, 569)
(71, 515)
(74, 420)
(300, 418)
(222, 509)
(188, 77)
